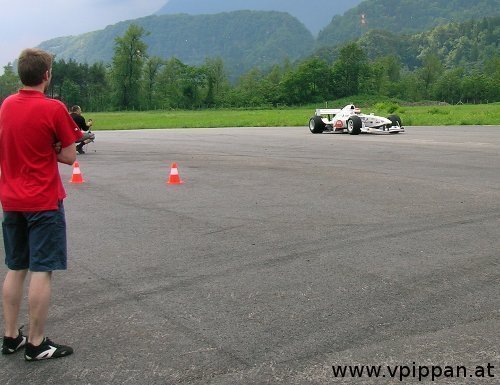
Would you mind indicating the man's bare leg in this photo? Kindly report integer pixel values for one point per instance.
(39, 299)
(12, 295)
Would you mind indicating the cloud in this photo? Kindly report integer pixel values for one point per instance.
(28, 23)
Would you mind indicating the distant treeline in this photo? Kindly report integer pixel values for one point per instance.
(453, 63)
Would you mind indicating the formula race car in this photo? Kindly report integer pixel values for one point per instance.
(350, 119)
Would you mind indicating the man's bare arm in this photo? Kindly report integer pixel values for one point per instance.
(67, 155)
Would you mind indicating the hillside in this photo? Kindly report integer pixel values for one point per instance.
(469, 44)
(242, 39)
(314, 14)
(403, 17)
(248, 39)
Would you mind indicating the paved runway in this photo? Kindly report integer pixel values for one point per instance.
(283, 254)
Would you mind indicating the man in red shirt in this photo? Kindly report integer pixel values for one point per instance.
(35, 134)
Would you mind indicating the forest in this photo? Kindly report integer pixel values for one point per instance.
(453, 63)
(403, 17)
(242, 39)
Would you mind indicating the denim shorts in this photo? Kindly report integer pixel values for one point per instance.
(35, 240)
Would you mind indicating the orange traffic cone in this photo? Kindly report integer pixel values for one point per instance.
(77, 176)
(174, 177)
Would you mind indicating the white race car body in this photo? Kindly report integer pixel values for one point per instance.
(350, 119)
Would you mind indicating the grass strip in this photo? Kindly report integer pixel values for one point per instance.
(437, 115)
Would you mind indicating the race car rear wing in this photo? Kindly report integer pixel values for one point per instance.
(327, 111)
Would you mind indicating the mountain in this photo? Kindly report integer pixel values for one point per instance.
(398, 16)
(248, 39)
(242, 39)
(468, 44)
(314, 14)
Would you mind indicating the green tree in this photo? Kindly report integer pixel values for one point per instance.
(72, 93)
(375, 79)
(181, 86)
(430, 71)
(492, 70)
(169, 80)
(448, 87)
(348, 70)
(68, 77)
(478, 88)
(410, 87)
(217, 82)
(247, 90)
(98, 91)
(382, 76)
(130, 52)
(76, 83)
(311, 82)
(194, 83)
(9, 82)
(151, 73)
(271, 85)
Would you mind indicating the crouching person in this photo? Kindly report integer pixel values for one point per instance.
(76, 114)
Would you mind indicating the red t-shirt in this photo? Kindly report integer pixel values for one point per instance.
(30, 124)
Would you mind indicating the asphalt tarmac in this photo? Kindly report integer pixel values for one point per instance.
(281, 255)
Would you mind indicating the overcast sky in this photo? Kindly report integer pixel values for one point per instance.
(26, 23)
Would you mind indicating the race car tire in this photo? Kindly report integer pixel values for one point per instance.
(395, 119)
(316, 125)
(354, 125)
